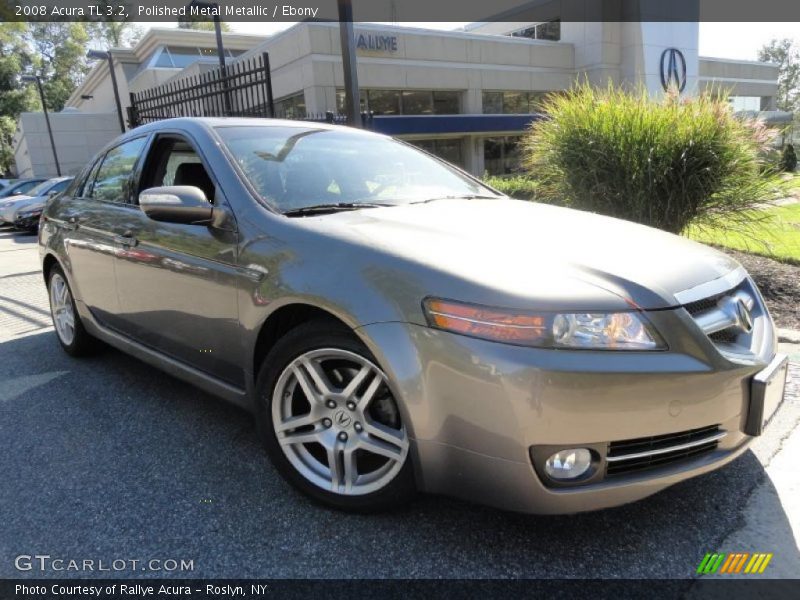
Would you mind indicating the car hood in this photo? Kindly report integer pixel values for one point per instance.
(532, 250)
(13, 199)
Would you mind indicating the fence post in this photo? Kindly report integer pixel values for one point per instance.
(268, 78)
(133, 113)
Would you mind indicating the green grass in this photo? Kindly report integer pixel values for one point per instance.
(774, 232)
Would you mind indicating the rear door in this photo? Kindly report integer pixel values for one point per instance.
(178, 284)
(94, 221)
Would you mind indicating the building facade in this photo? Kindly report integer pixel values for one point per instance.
(487, 69)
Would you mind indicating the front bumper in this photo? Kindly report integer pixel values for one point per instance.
(29, 223)
(476, 409)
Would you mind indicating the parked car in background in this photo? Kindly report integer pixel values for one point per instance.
(21, 186)
(10, 208)
(395, 325)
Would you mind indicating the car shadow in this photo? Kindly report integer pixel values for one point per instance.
(110, 458)
(19, 237)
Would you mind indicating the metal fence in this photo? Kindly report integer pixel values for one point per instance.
(242, 89)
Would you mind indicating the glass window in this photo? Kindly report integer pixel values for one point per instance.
(447, 103)
(163, 59)
(501, 155)
(492, 103)
(549, 31)
(384, 102)
(417, 103)
(515, 103)
(85, 187)
(60, 186)
(292, 107)
(183, 57)
(530, 32)
(113, 177)
(296, 167)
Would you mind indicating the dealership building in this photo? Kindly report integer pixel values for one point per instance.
(465, 95)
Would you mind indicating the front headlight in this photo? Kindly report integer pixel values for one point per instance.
(587, 331)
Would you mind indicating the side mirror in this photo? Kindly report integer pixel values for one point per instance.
(177, 204)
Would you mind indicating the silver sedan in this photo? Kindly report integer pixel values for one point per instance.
(396, 326)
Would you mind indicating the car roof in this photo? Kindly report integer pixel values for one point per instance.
(207, 123)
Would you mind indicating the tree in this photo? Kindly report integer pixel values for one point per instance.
(113, 34)
(15, 58)
(53, 51)
(59, 58)
(201, 25)
(786, 54)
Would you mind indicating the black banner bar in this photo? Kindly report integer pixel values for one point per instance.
(406, 10)
(384, 589)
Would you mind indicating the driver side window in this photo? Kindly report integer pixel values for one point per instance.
(173, 161)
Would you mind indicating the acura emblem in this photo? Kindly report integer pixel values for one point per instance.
(342, 419)
(744, 316)
(673, 69)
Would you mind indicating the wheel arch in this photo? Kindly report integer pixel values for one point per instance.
(283, 320)
(47, 264)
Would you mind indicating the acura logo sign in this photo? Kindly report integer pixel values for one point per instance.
(673, 69)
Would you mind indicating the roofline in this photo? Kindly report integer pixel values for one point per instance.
(737, 61)
(158, 36)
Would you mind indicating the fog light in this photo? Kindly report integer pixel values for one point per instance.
(568, 464)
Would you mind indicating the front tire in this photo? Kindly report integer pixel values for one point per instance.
(71, 334)
(330, 423)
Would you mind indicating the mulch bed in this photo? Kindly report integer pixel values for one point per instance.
(779, 284)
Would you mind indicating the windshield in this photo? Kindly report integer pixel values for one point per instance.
(21, 187)
(41, 189)
(297, 167)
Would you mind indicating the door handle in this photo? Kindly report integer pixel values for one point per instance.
(126, 239)
(71, 224)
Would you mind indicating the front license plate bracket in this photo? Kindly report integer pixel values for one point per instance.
(766, 394)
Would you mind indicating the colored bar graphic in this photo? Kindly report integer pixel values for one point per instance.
(734, 563)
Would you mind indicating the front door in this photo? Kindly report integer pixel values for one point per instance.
(94, 221)
(177, 284)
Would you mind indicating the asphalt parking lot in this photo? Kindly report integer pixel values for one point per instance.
(105, 459)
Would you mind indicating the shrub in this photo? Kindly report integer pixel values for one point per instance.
(665, 163)
(789, 160)
(520, 187)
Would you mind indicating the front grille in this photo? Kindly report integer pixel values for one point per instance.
(726, 336)
(708, 312)
(638, 454)
(704, 304)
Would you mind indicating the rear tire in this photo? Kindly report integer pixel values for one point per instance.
(322, 400)
(70, 332)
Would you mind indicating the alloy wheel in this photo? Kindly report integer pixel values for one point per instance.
(61, 309)
(337, 422)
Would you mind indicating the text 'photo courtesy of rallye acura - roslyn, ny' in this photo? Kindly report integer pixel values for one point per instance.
(396, 326)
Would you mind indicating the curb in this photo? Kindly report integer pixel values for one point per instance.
(788, 336)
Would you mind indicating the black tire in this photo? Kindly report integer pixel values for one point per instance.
(309, 336)
(82, 344)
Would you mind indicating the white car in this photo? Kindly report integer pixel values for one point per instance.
(35, 198)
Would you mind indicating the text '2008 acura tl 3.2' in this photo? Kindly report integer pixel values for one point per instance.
(396, 326)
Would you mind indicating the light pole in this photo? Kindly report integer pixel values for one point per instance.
(103, 55)
(35, 79)
(352, 98)
(213, 7)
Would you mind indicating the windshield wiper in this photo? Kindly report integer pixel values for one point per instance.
(329, 208)
(457, 197)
